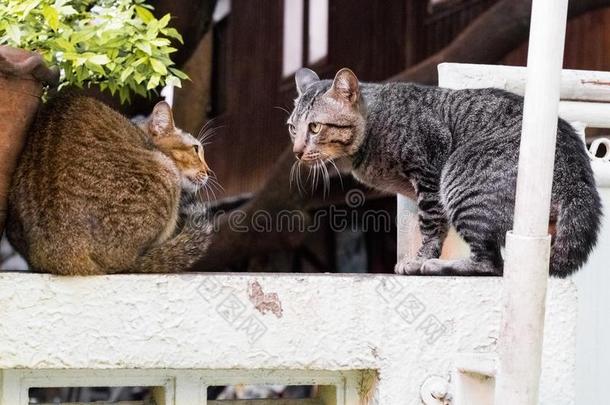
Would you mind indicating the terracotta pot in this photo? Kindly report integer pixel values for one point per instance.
(22, 77)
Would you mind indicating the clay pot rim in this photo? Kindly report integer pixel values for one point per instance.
(28, 65)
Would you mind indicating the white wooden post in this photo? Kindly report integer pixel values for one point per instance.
(528, 246)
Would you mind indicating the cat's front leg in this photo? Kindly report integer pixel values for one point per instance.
(433, 227)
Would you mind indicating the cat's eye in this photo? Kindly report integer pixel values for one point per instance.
(292, 129)
(315, 127)
(196, 148)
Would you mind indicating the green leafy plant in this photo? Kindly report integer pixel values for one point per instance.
(116, 44)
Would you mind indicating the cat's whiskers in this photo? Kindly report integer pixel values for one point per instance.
(321, 175)
(332, 162)
(208, 191)
(206, 126)
(207, 194)
(326, 178)
(293, 173)
(314, 180)
(279, 107)
(199, 195)
(213, 182)
(299, 178)
(213, 179)
(208, 134)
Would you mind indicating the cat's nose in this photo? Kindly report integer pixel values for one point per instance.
(300, 144)
(298, 149)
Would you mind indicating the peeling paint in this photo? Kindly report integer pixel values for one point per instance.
(264, 302)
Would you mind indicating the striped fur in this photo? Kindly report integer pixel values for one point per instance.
(95, 194)
(459, 149)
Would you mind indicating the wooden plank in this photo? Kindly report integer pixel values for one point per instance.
(581, 85)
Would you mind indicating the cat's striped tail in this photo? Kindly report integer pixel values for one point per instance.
(577, 227)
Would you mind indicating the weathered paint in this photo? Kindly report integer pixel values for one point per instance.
(404, 329)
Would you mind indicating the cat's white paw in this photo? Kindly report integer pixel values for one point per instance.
(408, 266)
(432, 267)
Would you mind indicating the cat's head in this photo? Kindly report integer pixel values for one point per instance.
(184, 149)
(328, 119)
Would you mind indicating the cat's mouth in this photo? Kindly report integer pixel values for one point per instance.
(194, 183)
(311, 158)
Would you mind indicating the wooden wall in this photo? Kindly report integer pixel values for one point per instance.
(587, 43)
(376, 39)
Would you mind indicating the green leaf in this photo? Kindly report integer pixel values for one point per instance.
(144, 14)
(168, 49)
(141, 91)
(160, 42)
(164, 21)
(144, 47)
(124, 94)
(95, 68)
(126, 73)
(112, 86)
(172, 33)
(27, 6)
(138, 77)
(153, 82)
(158, 66)
(51, 16)
(98, 59)
(173, 81)
(64, 44)
(67, 10)
(71, 56)
(14, 34)
(179, 74)
(139, 61)
(81, 74)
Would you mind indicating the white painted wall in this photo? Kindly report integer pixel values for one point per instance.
(593, 343)
(205, 329)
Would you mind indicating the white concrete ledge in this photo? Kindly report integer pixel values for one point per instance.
(403, 328)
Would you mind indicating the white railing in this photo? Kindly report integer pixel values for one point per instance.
(365, 339)
(591, 110)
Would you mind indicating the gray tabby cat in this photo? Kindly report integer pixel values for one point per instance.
(459, 150)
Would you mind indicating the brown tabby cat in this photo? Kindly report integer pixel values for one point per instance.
(94, 193)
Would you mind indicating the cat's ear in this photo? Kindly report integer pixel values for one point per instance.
(303, 78)
(161, 120)
(345, 86)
